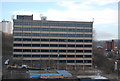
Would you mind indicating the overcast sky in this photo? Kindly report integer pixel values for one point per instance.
(104, 12)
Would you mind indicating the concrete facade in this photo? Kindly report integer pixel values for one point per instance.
(68, 42)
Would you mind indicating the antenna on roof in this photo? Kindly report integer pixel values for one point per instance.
(43, 18)
(12, 17)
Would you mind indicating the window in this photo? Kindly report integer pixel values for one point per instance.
(43, 50)
(87, 61)
(62, 50)
(17, 39)
(62, 61)
(26, 39)
(44, 40)
(17, 50)
(79, 45)
(71, 40)
(63, 56)
(35, 45)
(27, 45)
(53, 51)
(53, 45)
(79, 61)
(71, 45)
(17, 55)
(35, 55)
(87, 40)
(79, 51)
(53, 40)
(70, 61)
(78, 40)
(87, 51)
(62, 45)
(26, 50)
(26, 55)
(70, 56)
(87, 56)
(87, 45)
(35, 39)
(18, 45)
(44, 55)
(79, 56)
(71, 51)
(35, 50)
(53, 55)
(62, 40)
(44, 45)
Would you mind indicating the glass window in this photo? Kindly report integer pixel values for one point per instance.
(35, 45)
(87, 61)
(87, 56)
(87, 45)
(53, 50)
(87, 40)
(45, 40)
(18, 45)
(27, 45)
(35, 39)
(71, 40)
(53, 45)
(79, 40)
(43, 50)
(44, 55)
(70, 61)
(17, 55)
(62, 55)
(71, 45)
(53, 55)
(26, 50)
(44, 45)
(53, 40)
(62, 40)
(62, 45)
(70, 55)
(26, 39)
(71, 51)
(87, 51)
(17, 50)
(79, 51)
(17, 39)
(35, 55)
(79, 61)
(62, 61)
(62, 50)
(79, 45)
(79, 56)
(27, 55)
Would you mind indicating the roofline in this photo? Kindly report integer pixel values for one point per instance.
(58, 21)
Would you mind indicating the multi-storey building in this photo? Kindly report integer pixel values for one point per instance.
(6, 26)
(68, 42)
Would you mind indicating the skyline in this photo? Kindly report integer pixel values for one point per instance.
(105, 13)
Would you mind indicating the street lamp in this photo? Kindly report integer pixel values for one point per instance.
(117, 69)
(58, 62)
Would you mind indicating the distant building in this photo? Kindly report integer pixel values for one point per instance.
(110, 45)
(68, 42)
(100, 49)
(6, 26)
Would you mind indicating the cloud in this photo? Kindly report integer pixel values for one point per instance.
(102, 35)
